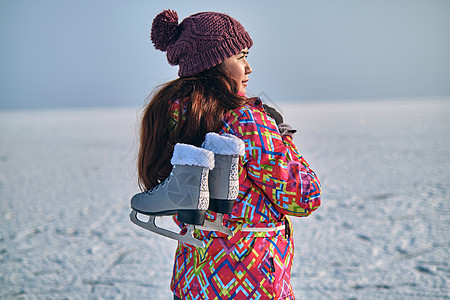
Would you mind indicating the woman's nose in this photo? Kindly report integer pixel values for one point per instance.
(248, 69)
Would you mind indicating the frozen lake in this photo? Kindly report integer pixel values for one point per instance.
(382, 232)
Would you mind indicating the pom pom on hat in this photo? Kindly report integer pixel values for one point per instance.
(164, 29)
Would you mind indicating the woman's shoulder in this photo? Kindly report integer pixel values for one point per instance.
(249, 115)
(252, 106)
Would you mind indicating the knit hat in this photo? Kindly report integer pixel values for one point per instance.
(200, 41)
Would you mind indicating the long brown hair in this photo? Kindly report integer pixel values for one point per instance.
(209, 95)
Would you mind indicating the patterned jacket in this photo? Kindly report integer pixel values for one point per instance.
(275, 181)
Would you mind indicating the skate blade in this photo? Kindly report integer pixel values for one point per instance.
(187, 238)
(216, 225)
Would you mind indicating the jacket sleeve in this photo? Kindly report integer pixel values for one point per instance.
(275, 166)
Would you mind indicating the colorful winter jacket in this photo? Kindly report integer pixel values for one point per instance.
(275, 181)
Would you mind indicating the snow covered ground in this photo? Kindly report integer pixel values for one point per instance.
(382, 232)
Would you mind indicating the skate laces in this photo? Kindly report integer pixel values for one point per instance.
(161, 184)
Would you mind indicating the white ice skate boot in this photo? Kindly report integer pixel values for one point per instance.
(224, 178)
(184, 192)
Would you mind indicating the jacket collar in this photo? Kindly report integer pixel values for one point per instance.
(255, 101)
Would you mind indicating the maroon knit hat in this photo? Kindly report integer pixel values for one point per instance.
(200, 41)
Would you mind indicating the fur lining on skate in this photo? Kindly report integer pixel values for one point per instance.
(225, 144)
(184, 154)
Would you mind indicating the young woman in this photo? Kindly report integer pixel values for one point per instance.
(275, 181)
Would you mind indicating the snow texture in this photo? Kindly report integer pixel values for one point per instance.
(382, 232)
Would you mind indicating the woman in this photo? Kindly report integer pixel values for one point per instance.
(254, 262)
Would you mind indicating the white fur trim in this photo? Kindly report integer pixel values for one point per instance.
(225, 144)
(184, 154)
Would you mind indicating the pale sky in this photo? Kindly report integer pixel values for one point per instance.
(57, 53)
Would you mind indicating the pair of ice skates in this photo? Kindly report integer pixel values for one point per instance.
(201, 179)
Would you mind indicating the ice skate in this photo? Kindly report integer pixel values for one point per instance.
(184, 192)
(224, 178)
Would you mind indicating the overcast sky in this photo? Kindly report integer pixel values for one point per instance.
(57, 53)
